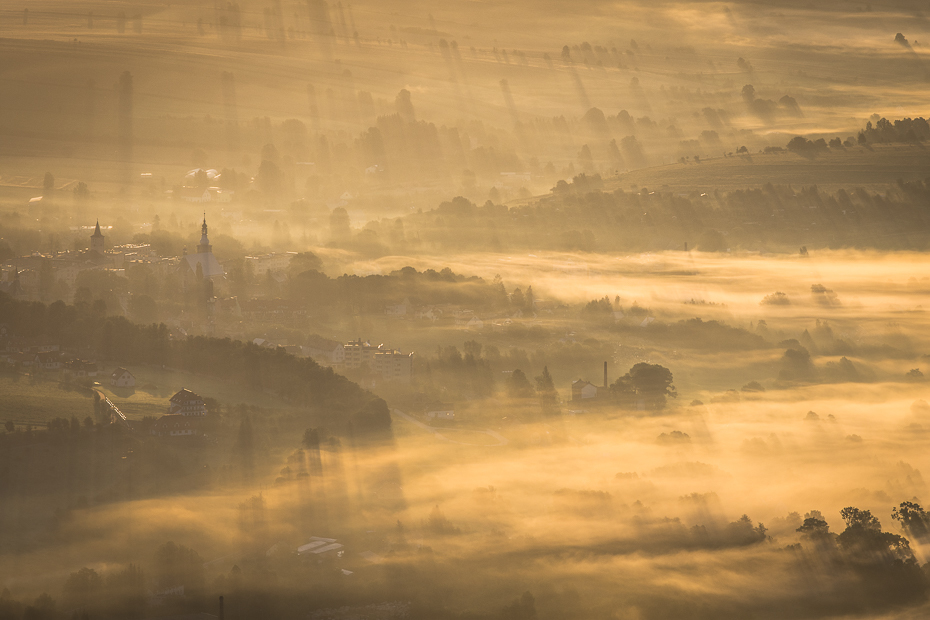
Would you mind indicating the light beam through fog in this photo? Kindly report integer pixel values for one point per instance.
(334, 311)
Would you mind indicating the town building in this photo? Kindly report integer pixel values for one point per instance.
(441, 411)
(276, 262)
(97, 241)
(324, 351)
(176, 425)
(187, 403)
(392, 365)
(122, 378)
(582, 390)
(358, 353)
(201, 264)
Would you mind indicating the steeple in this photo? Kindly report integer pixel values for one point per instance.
(204, 247)
(97, 240)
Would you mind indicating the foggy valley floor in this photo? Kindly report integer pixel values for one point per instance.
(474, 311)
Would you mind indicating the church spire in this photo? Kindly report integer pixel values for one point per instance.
(204, 247)
(97, 240)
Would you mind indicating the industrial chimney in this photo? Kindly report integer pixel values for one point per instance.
(222, 615)
(605, 376)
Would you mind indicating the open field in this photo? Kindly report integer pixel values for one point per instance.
(35, 401)
(875, 169)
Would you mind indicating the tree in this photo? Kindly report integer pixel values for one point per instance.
(524, 608)
(81, 193)
(270, 178)
(913, 519)
(339, 225)
(245, 446)
(544, 384)
(177, 565)
(10, 427)
(42, 609)
(518, 386)
(650, 383)
(814, 527)
(304, 261)
(404, 106)
(796, 365)
(548, 396)
(865, 540)
(82, 587)
(374, 416)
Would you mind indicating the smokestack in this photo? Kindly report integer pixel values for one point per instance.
(222, 615)
(605, 374)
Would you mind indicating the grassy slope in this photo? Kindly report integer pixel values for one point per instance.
(874, 169)
(35, 401)
(26, 400)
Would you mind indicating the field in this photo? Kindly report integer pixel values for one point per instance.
(34, 401)
(875, 169)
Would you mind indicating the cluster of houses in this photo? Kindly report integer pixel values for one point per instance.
(586, 391)
(186, 411)
(463, 317)
(385, 363)
(23, 355)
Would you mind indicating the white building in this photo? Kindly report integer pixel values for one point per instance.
(400, 309)
(122, 378)
(276, 262)
(441, 411)
(582, 390)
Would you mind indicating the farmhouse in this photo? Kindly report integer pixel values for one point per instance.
(187, 403)
(122, 378)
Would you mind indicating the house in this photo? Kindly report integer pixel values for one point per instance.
(474, 323)
(324, 351)
(441, 411)
(195, 194)
(398, 309)
(81, 368)
(122, 378)
(582, 390)
(17, 359)
(187, 403)
(462, 317)
(47, 360)
(319, 546)
(176, 425)
(430, 314)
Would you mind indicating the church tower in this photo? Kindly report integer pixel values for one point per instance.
(204, 247)
(97, 239)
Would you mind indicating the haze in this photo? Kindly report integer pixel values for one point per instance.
(392, 310)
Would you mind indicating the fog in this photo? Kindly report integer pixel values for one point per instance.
(415, 310)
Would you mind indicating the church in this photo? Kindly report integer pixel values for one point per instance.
(201, 264)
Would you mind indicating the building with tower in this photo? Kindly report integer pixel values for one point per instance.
(201, 264)
(97, 240)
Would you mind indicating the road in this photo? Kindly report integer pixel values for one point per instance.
(501, 440)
